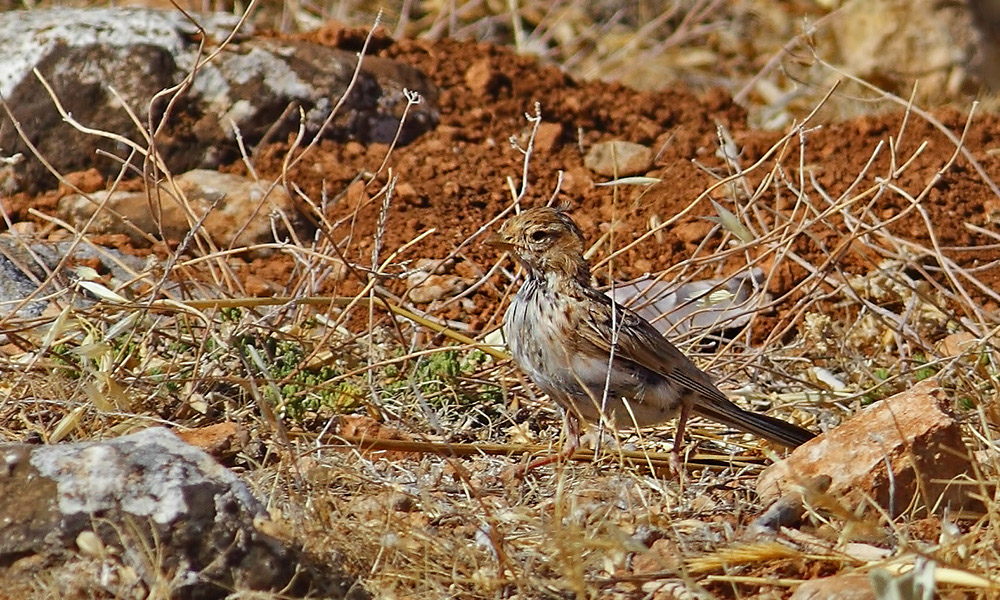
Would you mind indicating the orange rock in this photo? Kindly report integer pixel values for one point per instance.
(364, 428)
(482, 79)
(547, 137)
(258, 286)
(957, 343)
(426, 288)
(663, 555)
(848, 586)
(903, 448)
(222, 440)
(693, 231)
(235, 211)
(87, 182)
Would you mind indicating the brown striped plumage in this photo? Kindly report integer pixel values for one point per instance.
(560, 331)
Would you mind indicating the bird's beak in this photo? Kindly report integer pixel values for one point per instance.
(498, 242)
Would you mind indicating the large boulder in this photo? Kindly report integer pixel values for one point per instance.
(101, 62)
(156, 512)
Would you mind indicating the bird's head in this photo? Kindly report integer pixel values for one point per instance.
(545, 241)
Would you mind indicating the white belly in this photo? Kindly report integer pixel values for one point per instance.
(631, 397)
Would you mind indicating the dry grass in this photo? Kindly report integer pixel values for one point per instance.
(445, 520)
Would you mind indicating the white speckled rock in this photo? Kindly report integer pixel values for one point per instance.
(136, 494)
(148, 474)
(100, 60)
(28, 36)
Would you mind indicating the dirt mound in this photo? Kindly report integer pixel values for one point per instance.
(454, 179)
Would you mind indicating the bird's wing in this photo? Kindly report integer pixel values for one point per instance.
(639, 342)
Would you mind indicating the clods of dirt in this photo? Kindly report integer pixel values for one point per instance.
(829, 180)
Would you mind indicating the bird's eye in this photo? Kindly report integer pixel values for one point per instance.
(539, 235)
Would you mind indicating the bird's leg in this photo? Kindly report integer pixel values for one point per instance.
(571, 425)
(676, 465)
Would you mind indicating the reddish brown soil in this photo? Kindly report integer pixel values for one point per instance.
(456, 175)
(454, 178)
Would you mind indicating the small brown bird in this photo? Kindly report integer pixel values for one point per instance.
(595, 357)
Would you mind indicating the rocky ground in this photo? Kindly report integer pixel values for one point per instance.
(876, 240)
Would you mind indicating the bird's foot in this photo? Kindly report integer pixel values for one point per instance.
(524, 467)
(677, 469)
(521, 470)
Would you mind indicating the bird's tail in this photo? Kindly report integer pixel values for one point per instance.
(769, 428)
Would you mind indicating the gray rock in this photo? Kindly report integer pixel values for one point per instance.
(142, 494)
(258, 85)
(17, 285)
(25, 265)
(618, 159)
(234, 211)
